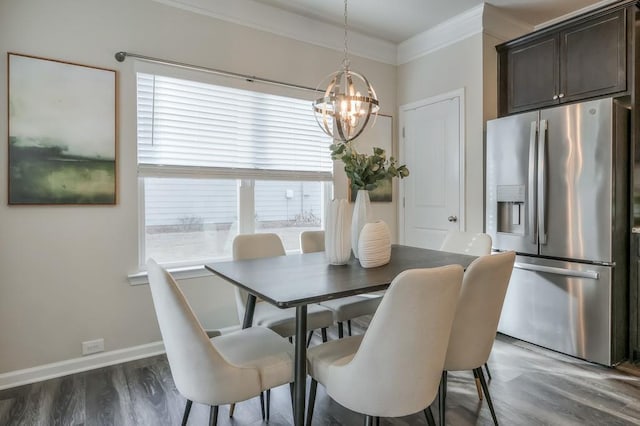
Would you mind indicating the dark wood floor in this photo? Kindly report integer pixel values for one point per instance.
(530, 386)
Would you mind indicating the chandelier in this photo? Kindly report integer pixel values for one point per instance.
(349, 102)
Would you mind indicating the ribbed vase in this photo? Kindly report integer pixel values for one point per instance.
(361, 215)
(337, 241)
(374, 246)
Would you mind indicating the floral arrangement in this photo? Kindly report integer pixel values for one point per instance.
(367, 171)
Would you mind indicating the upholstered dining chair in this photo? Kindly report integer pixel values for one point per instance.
(347, 308)
(394, 369)
(474, 244)
(282, 321)
(474, 328)
(228, 368)
(471, 243)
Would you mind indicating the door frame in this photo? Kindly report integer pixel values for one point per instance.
(457, 93)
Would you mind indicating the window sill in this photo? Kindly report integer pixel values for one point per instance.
(184, 273)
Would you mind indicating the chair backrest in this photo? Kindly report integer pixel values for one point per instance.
(471, 243)
(474, 328)
(254, 246)
(397, 368)
(200, 373)
(311, 241)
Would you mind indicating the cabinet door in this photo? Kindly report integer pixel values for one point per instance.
(594, 58)
(532, 75)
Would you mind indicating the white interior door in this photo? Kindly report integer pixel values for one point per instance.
(431, 146)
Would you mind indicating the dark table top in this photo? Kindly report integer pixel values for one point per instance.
(301, 279)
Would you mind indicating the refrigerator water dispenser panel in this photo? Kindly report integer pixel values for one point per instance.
(511, 208)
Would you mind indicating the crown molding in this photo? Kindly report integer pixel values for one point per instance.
(280, 22)
(502, 26)
(448, 32)
(575, 13)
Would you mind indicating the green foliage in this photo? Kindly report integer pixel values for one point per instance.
(367, 171)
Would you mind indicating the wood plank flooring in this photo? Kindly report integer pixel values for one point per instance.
(530, 386)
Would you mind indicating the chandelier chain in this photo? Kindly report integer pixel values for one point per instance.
(345, 61)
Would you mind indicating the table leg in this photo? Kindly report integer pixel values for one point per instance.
(300, 371)
(248, 312)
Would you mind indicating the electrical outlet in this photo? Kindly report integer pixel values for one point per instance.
(92, 346)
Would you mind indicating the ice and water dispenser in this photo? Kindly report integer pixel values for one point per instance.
(511, 209)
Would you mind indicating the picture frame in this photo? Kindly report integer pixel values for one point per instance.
(62, 132)
(380, 136)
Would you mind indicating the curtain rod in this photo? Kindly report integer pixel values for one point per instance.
(121, 56)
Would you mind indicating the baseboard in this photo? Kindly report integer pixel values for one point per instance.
(77, 365)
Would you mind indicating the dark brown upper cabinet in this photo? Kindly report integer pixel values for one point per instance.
(577, 60)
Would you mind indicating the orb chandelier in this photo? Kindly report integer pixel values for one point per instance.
(349, 102)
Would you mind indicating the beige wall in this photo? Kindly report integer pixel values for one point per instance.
(457, 66)
(63, 269)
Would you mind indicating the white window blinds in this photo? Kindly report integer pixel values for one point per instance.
(187, 127)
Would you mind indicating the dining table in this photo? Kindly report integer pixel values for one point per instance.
(297, 280)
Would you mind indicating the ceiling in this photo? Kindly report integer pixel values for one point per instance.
(398, 20)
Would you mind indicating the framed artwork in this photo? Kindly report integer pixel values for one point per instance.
(381, 136)
(62, 132)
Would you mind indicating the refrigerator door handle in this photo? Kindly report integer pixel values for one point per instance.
(542, 182)
(557, 271)
(533, 220)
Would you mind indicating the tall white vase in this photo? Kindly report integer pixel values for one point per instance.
(337, 242)
(361, 215)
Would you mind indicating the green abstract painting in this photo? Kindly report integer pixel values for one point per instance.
(62, 132)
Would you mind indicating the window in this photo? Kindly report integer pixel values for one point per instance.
(214, 161)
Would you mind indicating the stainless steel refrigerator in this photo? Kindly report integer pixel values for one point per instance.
(557, 193)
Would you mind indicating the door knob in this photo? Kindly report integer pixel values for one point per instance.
(452, 218)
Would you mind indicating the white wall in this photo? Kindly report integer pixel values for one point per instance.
(63, 269)
(459, 65)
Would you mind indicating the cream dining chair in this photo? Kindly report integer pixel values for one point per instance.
(226, 369)
(471, 243)
(282, 321)
(346, 308)
(474, 244)
(474, 328)
(394, 369)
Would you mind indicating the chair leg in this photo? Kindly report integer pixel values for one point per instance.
(312, 400)
(368, 420)
(268, 403)
(485, 389)
(340, 330)
(486, 367)
(377, 421)
(213, 415)
(324, 334)
(429, 416)
(478, 385)
(187, 410)
(443, 397)
(262, 404)
(232, 408)
(293, 405)
(349, 326)
(309, 338)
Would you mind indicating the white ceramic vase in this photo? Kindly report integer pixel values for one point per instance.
(374, 246)
(361, 216)
(337, 241)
